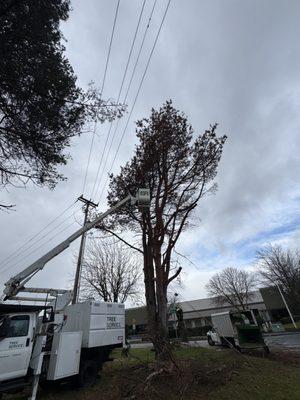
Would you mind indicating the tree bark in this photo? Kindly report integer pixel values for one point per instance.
(156, 303)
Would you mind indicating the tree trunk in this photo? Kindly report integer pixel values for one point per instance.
(156, 306)
(161, 334)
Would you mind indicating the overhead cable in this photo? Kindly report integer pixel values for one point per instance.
(136, 96)
(119, 95)
(127, 91)
(46, 242)
(20, 249)
(25, 253)
(102, 88)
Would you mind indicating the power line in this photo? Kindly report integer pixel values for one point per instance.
(140, 50)
(107, 155)
(24, 252)
(38, 240)
(19, 249)
(128, 88)
(89, 157)
(131, 49)
(110, 45)
(102, 88)
(120, 91)
(136, 96)
(48, 241)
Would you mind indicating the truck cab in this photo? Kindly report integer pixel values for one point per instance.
(17, 333)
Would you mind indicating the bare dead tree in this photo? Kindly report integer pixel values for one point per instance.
(232, 286)
(281, 267)
(179, 169)
(110, 272)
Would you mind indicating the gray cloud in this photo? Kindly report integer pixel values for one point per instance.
(233, 62)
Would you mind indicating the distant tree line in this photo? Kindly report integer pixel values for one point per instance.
(276, 267)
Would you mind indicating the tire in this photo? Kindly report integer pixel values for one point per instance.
(88, 373)
(49, 386)
(225, 343)
(210, 341)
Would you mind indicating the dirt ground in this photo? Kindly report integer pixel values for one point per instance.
(199, 374)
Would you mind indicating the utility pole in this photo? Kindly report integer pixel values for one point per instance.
(286, 306)
(88, 204)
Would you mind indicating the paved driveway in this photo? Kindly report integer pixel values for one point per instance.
(142, 345)
(147, 345)
(286, 339)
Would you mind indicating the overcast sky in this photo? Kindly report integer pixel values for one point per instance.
(234, 62)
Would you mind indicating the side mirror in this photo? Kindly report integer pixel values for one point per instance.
(4, 327)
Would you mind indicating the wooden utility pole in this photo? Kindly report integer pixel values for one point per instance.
(88, 204)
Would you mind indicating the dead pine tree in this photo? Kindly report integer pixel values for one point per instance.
(179, 169)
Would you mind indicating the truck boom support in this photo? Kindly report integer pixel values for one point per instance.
(15, 284)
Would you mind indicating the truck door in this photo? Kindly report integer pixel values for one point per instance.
(16, 346)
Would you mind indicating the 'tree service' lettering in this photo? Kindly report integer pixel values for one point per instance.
(111, 323)
(15, 345)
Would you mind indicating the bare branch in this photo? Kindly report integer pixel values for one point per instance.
(232, 286)
(175, 275)
(281, 267)
(101, 227)
(110, 272)
(7, 207)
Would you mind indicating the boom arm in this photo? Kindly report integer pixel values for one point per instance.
(15, 284)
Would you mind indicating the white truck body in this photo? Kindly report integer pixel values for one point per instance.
(236, 329)
(223, 327)
(222, 324)
(102, 324)
(65, 355)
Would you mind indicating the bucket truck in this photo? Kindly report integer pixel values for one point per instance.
(56, 341)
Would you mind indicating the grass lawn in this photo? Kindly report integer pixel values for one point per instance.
(290, 326)
(208, 374)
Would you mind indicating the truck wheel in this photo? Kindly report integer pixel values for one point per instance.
(210, 341)
(87, 374)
